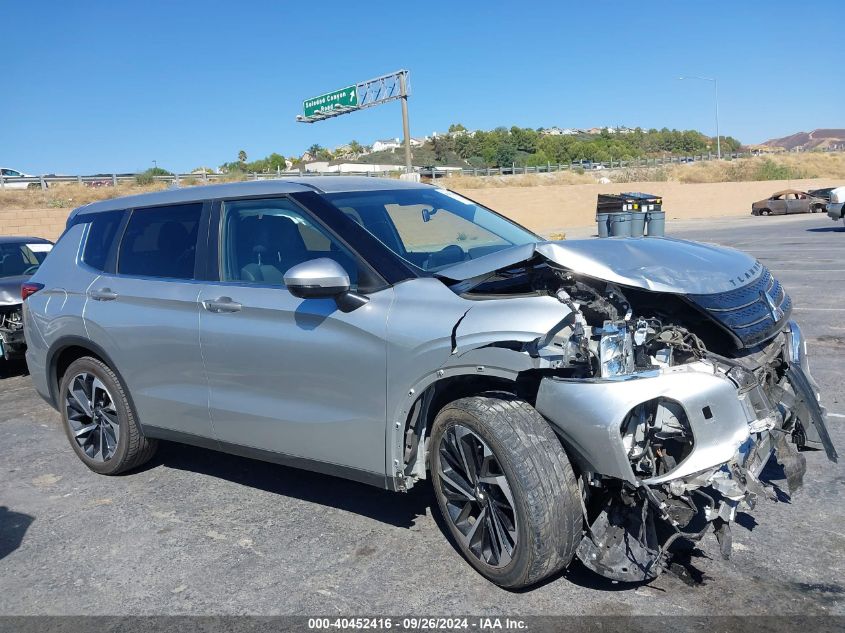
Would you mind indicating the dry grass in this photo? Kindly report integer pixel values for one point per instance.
(779, 167)
(521, 180)
(68, 195)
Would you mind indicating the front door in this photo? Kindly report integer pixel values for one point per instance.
(778, 204)
(292, 376)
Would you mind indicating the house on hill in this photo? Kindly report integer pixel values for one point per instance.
(386, 144)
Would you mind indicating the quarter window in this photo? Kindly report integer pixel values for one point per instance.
(263, 239)
(161, 242)
(101, 235)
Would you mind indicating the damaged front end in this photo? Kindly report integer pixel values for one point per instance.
(678, 410)
(12, 343)
(672, 440)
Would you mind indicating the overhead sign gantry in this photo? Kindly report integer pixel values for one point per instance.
(365, 94)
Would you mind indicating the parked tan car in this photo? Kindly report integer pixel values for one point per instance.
(788, 201)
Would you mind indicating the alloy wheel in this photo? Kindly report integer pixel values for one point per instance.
(92, 416)
(477, 496)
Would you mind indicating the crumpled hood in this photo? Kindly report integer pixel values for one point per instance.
(10, 289)
(653, 263)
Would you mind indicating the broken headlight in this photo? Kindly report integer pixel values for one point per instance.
(616, 350)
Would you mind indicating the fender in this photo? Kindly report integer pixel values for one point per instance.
(63, 343)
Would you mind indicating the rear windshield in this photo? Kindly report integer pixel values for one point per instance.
(431, 228)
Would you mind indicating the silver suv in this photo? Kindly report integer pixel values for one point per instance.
(595, 398)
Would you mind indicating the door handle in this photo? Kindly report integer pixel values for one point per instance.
(222, 304)
(103, 294)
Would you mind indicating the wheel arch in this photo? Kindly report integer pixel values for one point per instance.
(68, 349)
(413, 427)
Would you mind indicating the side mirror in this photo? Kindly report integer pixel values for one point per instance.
(323, 278)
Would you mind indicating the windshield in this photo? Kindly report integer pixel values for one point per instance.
(21, 258)
(431, 228)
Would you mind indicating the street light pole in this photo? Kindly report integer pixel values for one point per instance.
(716, 100)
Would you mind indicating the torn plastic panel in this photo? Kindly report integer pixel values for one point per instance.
(670, 438)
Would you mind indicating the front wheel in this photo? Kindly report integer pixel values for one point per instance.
(505, 489)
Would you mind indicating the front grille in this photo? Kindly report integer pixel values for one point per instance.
(753, 313)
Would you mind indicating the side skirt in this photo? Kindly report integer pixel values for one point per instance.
(335, 470)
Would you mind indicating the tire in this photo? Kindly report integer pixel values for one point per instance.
(543, 526)
(765, 212)
(117, 443)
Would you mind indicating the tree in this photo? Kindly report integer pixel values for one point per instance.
(442, 146)
(314, 149)
(242, 156)
(355, 147)
(505, 153)
(456, 127)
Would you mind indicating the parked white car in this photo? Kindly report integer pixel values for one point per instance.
(8, 173)
(835, 206)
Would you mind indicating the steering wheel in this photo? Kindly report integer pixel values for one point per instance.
(31, 270)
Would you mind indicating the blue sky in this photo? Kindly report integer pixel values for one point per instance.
(111, 86)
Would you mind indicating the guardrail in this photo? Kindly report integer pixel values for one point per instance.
(44, 181)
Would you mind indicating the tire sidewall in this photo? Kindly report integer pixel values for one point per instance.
(518, 568)
(99, 370)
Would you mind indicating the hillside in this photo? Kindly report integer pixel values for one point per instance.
(817, 139)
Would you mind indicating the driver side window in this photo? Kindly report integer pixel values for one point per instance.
(263, 239)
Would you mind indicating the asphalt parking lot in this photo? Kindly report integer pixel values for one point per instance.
(197, 532)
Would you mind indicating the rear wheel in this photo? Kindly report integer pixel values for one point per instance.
(99, 421)
(765, 212)
(505, 489)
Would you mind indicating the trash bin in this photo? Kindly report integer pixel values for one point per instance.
(656, 223)
(620, 224)
(638, 219)
(603, 222)
(634, 205)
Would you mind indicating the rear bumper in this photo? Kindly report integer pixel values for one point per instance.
(834, 210)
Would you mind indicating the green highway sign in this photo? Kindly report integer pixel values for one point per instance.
(345, 98)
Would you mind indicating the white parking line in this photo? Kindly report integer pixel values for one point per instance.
(803, 309)
(836, 415)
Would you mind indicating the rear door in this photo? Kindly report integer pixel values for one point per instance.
(290, 376)
(144, 312)
(797, 203)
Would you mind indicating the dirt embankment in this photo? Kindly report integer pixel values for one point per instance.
(544, 209)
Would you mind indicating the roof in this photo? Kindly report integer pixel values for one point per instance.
(275, 186)
(785, 191)
(16, 239)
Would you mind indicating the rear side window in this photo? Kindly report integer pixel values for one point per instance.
(101, 236)
(161, 242)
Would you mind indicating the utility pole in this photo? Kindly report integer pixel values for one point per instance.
(406, 128)
(716, 100)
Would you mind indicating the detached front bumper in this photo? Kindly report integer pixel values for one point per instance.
(736, 429)
(12, 343)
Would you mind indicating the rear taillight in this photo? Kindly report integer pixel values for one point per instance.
(29, 289)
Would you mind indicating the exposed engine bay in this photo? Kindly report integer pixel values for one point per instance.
(671, 406)
(12, 344)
